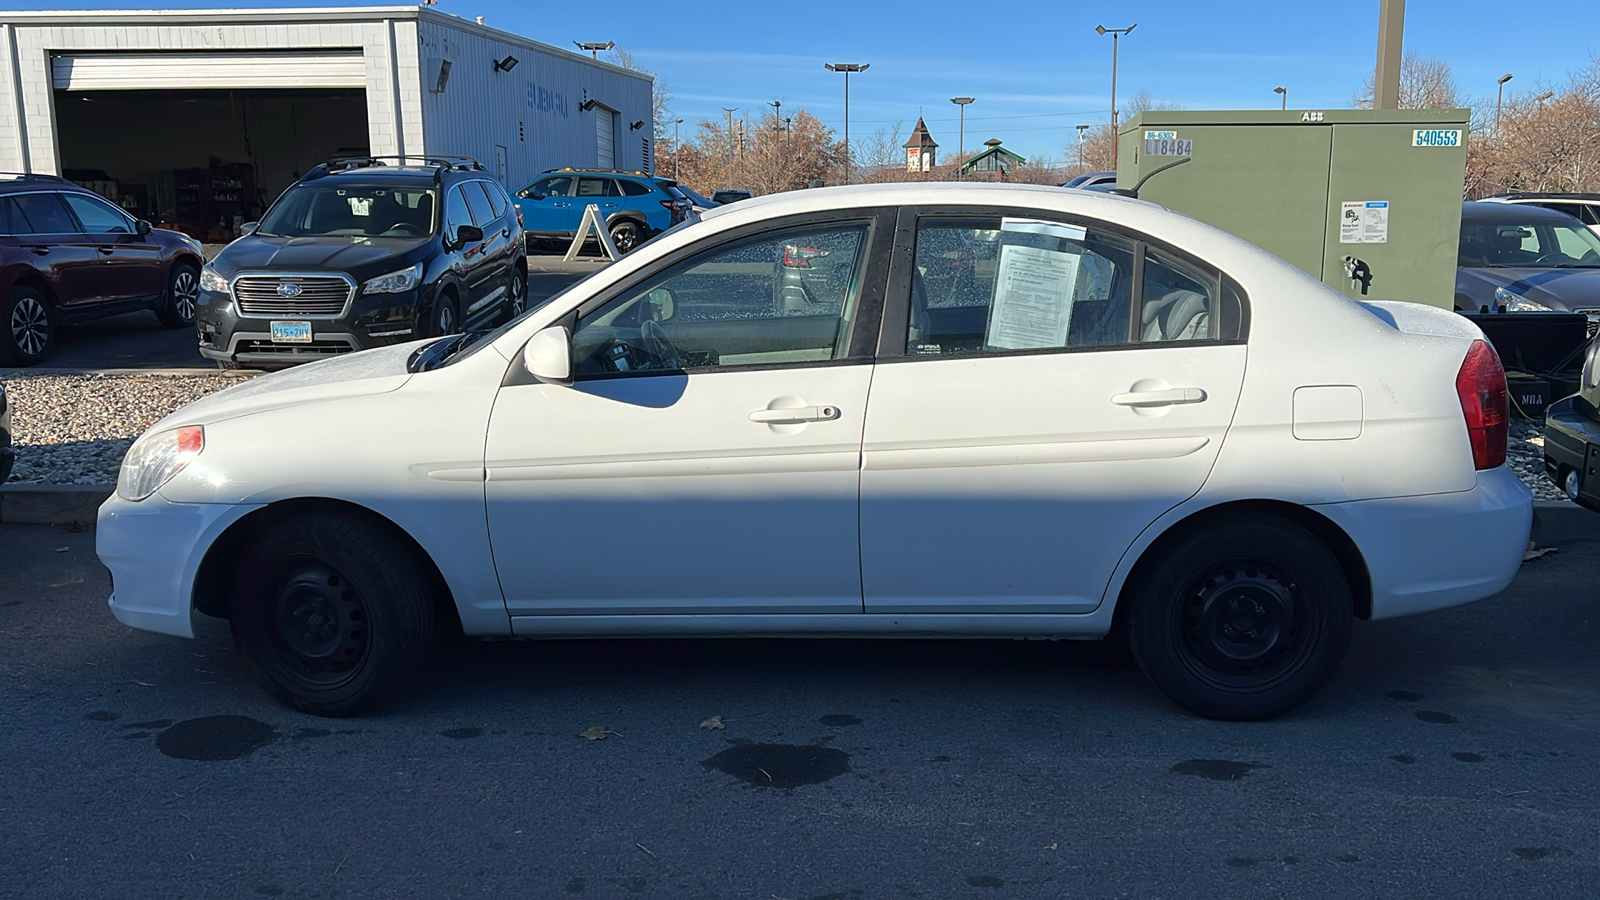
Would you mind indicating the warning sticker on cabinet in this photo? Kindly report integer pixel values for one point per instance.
(1364, 222)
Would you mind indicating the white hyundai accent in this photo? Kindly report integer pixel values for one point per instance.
(909, 410)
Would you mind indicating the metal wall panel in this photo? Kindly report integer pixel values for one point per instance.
(535, 110)
(212, 70)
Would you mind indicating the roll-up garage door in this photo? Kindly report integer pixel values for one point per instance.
(191, 69)
(605, 137)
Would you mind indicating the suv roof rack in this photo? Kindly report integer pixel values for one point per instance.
(33, 176)
(598, 170)
(439, 163)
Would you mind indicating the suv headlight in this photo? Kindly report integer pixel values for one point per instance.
(211, 281)
(394, 282)
(155, 458)
(1516, 302)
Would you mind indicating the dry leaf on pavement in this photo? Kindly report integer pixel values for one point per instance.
(597, 733)
(713, 724)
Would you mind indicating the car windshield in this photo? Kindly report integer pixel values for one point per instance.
(355, 210)
(1538, 245)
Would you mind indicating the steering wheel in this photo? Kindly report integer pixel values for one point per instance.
(658, 344)
(405, 228)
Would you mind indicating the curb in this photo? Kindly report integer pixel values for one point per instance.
(52, 504)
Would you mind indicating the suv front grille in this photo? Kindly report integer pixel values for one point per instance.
(320, 296)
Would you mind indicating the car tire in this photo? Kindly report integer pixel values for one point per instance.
(443, 320)
(516, 294)
(1242, 620)
(27, 327)
(626, 235)
(331, 612)
(1571, 483)
(228, 365)
(183, 294)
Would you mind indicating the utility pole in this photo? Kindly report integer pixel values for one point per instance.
(847, 68)
(1386, 80)
(961, 141)
(1115, 33)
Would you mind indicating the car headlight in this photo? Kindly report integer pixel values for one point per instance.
(211, 281)
(155, 458)
(1514, 302)
(394, 282)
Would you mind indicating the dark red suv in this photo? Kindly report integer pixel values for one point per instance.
(67, 255)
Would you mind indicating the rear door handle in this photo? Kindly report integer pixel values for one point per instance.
(107, 250)
(40, 251)
(799, 414)
(1159, 398)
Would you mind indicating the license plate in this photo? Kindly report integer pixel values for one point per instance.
(291, 332)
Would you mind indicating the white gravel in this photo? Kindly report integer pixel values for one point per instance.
(75, 429)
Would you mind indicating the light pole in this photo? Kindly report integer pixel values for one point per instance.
(847, 68)
(1500, 96)
(595, 47)
(1116, 33)
(677, 148)
(777, 117)
(1285, 92)
(1543, 97)
(1081, 130)
(961, 140)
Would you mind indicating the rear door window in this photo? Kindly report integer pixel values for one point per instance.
(478, 202)
(97, 216)
(597, 187)
(497, 197)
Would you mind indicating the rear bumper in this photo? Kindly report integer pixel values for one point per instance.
(1430, 552)
(154, 549)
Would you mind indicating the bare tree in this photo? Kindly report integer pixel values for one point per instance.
(1097, 150)
(759, 157)
(660, 97)
(1425, 83)
(879, 156)
(1550, 144)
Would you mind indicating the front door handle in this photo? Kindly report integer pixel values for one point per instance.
(796, 415)
(1159, 398)
(108, 250)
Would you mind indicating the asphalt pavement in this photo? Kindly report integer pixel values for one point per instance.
(1454, 756)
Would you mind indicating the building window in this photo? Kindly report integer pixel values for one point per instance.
(522, 135)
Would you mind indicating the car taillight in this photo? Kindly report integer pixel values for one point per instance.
(1481, 385)
(519, 217)
(801, 257)
(670, 204)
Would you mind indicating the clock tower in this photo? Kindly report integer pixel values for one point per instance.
(920, 149)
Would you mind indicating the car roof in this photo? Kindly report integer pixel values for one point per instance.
(1486, 212)
(1535, 195)
(33, 181)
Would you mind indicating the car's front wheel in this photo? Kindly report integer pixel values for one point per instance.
(442, 320)
(331, 612)
(183, 293)
(1242, 620)
(27, 327)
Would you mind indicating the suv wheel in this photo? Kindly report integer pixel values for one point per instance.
(517, 294)
(626, 235)
(27, 328)
(443, 321)
(183, 293)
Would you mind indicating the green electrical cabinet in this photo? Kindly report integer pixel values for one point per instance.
(1373, 193)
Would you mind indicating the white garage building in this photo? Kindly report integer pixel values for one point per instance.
(199, 118)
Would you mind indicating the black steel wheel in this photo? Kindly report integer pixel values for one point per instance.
(1241, 620)
(331, 611)
(27, 327)
(626, 235)
(183, 296)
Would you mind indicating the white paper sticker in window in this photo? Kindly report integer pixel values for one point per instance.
(1033, 297)
(360, 206)
(1040, 226)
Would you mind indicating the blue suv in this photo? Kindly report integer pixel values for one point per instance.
(636, 205)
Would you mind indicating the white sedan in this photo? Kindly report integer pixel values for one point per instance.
(900, 410)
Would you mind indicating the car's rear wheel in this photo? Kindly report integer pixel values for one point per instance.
(626, 235)
(27, 327)
(1242, 620)
(183, 294)
(516, 293)
(331, 612)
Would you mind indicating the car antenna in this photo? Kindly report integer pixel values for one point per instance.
(1134, 191)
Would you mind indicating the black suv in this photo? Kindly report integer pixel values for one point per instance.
(66, 255)
(365, 252)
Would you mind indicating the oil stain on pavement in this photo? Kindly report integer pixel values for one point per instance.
(780, 765)
(214, 738)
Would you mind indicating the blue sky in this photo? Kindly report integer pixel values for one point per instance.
(1037, 68)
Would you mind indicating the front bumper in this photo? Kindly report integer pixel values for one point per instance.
(154, 549)
(374, 320)
(1430, 552)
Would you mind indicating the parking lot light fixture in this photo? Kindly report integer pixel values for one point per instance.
(1500, 96)
(1285, 92)
(847, 68)
(1543, 97)
(961, 139)
(1116, 33)
(594, 47)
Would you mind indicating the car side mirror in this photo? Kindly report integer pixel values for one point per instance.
(142, 227)
(248, 228)
(662, 305)
(468, 234)
(548, 355)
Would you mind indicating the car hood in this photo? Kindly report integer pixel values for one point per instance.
(376, 371)
(1556, 288)
(361, 257)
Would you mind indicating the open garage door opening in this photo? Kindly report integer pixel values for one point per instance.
(203, 161)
